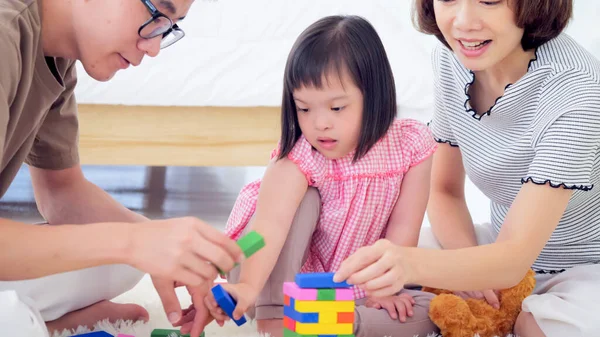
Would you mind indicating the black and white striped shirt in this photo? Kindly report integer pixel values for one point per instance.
(545, 128)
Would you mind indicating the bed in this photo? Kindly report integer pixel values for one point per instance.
(212, 99)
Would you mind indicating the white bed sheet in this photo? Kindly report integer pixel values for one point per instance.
(235, 51)
(234, 54)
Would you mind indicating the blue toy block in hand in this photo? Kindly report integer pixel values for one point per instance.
(319, 281)
(227, 303)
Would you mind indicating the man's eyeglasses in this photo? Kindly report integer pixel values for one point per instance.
(160, 24)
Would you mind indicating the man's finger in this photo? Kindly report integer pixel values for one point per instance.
(218, 238)
(168, 297)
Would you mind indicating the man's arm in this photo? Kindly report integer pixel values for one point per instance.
(66, 196)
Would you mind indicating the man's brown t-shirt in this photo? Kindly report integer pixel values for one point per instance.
(38, 112)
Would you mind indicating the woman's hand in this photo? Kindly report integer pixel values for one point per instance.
(491, 296)
(380, 269)
(397, 306)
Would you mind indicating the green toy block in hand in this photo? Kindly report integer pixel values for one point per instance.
(250, 244)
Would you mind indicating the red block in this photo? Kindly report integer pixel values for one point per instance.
(345, 317)
(289, 323)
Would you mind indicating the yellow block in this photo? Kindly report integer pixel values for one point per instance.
(321, 306)
(328, 317)
(323, 329)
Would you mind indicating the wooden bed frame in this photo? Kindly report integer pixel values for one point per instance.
(177, 136)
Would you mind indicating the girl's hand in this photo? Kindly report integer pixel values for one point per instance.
(213, 307)
(396, 305)
(244, 294)
(378, 269)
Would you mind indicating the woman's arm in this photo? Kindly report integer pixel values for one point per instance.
(447, 208)
(405, 222)
(282, 189)
(530, 222)
(534, 215)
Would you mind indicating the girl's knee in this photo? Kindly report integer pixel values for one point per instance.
(526, 326)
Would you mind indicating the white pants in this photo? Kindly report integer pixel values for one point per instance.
(26, 305)
(563, 304)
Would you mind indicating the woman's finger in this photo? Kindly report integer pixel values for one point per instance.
(358, 261)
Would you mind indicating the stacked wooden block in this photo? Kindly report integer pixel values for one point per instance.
(316, 306)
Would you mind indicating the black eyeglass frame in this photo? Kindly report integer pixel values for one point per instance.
(155, 15)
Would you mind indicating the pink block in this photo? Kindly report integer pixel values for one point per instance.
(310, 294)
(344, 295)
(123, 335)
(292, 290)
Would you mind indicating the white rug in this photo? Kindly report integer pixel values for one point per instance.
(145, 295)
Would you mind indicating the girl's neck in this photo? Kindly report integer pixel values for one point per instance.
(507, 71)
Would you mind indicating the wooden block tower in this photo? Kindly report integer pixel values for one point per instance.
(316, 306)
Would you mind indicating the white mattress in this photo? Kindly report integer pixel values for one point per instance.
(235, 50)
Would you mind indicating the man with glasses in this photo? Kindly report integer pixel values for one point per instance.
(62, 275)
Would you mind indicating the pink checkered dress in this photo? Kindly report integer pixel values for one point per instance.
(357, 199)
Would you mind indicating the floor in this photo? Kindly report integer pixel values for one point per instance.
(156, 192)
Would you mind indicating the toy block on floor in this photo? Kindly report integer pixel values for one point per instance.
(227, 303)
(95, 334)
(124, 335)
(169, 333)
(315, 306)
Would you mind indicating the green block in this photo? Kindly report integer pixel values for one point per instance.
(169, 333)
(289, 333)
(250, 244)
(325, 294)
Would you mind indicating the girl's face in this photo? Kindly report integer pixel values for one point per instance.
(481, 33)
(331, 117)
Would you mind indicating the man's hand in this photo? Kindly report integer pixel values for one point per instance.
(192, 320)
(185, 250)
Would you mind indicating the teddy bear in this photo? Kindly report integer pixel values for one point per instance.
(457, 317)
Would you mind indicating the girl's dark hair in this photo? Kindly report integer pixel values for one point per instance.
(330, 46)
(542, 20)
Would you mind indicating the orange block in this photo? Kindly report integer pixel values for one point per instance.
(289, 323)
(345, 317)
(286, 300)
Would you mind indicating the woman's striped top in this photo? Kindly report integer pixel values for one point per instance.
(544, 129)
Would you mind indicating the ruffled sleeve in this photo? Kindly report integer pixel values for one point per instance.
(417, 140)
(440, 124)
(306, 158)
(566, 135)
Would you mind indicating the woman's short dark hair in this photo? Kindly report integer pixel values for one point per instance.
(334, 45)
(542, 20)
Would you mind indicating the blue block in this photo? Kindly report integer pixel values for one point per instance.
(300, 317)
(319, 281)
(95, 334)
(227, 303)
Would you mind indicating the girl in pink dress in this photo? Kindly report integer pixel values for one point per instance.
(345, 173)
